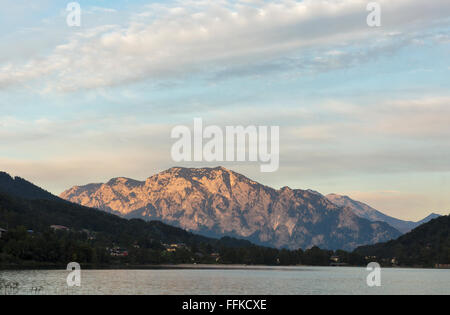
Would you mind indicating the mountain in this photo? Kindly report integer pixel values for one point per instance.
(88, 235)
(219, 202)
(367, 212)
(19, 187)
(426, 245)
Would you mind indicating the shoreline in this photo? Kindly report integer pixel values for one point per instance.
(190, 267)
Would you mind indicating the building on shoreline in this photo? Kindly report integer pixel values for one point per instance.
(59, 228)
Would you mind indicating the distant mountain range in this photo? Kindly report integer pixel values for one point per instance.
(367, 212)
(27, 206)
(218, 202)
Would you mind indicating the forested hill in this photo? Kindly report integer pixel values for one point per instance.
(39, 215)
(20, 187)
(426, 245)
(98, 238)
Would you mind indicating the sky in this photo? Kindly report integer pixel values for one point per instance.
(363, 111)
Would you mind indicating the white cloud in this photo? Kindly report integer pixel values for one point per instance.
(198, 37)
(100, 9)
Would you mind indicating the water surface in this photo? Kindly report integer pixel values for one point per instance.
(262, 280)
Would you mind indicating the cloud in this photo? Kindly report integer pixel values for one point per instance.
(190, 48)
(53, 173)
(186, 38)
(400, 136)
(100, 9)
(414, 119)
(83, 133)
(55, 153)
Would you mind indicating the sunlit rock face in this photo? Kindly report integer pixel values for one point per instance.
(219, 202)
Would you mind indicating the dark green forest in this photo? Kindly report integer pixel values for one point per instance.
(19, 187)
(94, 237)
(425, 246)
(97, 239)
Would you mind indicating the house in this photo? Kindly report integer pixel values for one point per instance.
(174, 247)
(2, 232)
(334, 259)
(179, 245)
(216, 256)
(442, 266)
(372, 258)
(59, 228)
(118, 252)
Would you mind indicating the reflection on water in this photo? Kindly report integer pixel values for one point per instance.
(286, 280)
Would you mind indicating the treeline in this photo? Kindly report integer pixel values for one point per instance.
(21, 247)
(92, 235)
(314, 256)
(22, 188)
(427, 245)
(96, 238)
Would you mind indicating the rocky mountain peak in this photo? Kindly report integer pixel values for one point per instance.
(220, 202)
(124, 181)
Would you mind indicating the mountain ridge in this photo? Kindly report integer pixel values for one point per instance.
(220, 202)
(365, 211)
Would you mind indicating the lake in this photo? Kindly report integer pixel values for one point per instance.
(230, 281)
